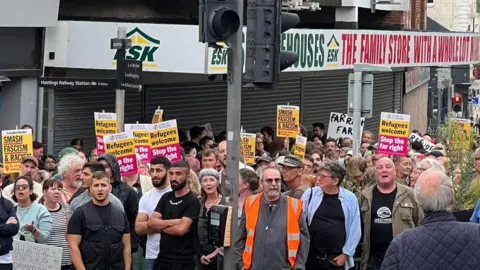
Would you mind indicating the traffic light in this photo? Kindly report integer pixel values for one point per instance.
(457, 103)
(218, 20)
(265, 24)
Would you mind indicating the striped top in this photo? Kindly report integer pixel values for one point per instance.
(58, 236)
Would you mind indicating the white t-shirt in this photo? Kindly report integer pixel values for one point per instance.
(147, 205)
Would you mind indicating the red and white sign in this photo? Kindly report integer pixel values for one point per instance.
(406, 49)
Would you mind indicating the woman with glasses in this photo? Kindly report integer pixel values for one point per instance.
(58, 211)
(34, 219)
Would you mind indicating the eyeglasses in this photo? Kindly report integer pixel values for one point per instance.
(21, 187)
(322, 176)
(271, 180)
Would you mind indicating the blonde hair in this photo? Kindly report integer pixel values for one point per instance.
(194, 183)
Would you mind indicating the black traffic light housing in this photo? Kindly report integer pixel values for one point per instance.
(457, 103)
(265, 24)
(217, 20)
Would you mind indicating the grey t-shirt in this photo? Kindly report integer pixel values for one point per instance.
(86, 197)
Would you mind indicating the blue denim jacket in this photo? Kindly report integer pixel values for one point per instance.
(476, 213)
(352, 217)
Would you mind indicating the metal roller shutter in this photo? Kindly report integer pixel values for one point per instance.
(323, 95)
(383, 99)
(192, 104)
(73, 114)
(399, 90)
(259, 106)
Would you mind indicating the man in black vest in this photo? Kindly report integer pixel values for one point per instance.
(98, 234)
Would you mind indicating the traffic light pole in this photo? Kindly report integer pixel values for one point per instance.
(234, 101)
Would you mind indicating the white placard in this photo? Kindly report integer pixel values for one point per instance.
(33, 256)
(428, 146)
(341, 126)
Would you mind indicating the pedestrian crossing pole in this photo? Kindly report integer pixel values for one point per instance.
(220, 23)
(234, 101)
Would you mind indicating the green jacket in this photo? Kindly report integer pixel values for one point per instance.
(405, 215)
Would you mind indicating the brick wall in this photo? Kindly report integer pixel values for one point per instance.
(415, 19)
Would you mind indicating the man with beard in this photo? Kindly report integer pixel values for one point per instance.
(159, 166)
(176, 219)
(89, 169)
(98, 234)
(70, 170)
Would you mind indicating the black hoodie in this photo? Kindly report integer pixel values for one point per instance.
(125, 194)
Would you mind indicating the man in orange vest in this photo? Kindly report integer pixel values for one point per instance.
(273, 234)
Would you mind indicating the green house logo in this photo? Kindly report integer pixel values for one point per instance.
(333, 47)
(144, 48)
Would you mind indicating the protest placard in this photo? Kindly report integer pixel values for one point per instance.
(393, 134)
(141, 138)
(300, 147)
(460, 136)
(157, 116)
(105, 124)
(288, 121)
(123, 147)
(341, 126)
(16, 145)
(428, 146)
(247, 147)
(164, 140)
(33, 256)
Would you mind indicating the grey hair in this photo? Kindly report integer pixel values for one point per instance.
(68, 161)
(262, 171)
(336, 170)
(432, 164)
(439, 200)
(208, 172)
(476, 153)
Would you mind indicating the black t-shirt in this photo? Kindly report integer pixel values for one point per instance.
(77, 223)
(179, 249)
(327, 230)
(381, 232)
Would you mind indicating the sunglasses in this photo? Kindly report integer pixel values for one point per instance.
(271, 180)
(21, 187)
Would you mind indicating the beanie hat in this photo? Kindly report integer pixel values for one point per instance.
(66, 151)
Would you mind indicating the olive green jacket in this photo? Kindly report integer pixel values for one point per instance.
(405, 215)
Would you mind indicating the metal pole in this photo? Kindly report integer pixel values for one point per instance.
(234, 101)
(440, 107)
(357, 112)
(120, 93)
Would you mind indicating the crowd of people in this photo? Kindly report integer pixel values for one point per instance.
(330, 209)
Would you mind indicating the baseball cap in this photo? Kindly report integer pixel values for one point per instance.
(371, 147)
(66, 151)
(30, 158)
(264, 158)
(292, 161)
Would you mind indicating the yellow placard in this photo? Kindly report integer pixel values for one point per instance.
(16, 145)
(121, 148)
(141, 137)
(164, 137)
(157, 116)
(288, 121)
(105, 127)
(247, 147)
(300, 147)
(394, 128)
(460, 136)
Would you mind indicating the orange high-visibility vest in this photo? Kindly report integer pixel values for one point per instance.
(252, 208)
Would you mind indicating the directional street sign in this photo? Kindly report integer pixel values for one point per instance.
(129, 74)
(76, 83)
(475, 101)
